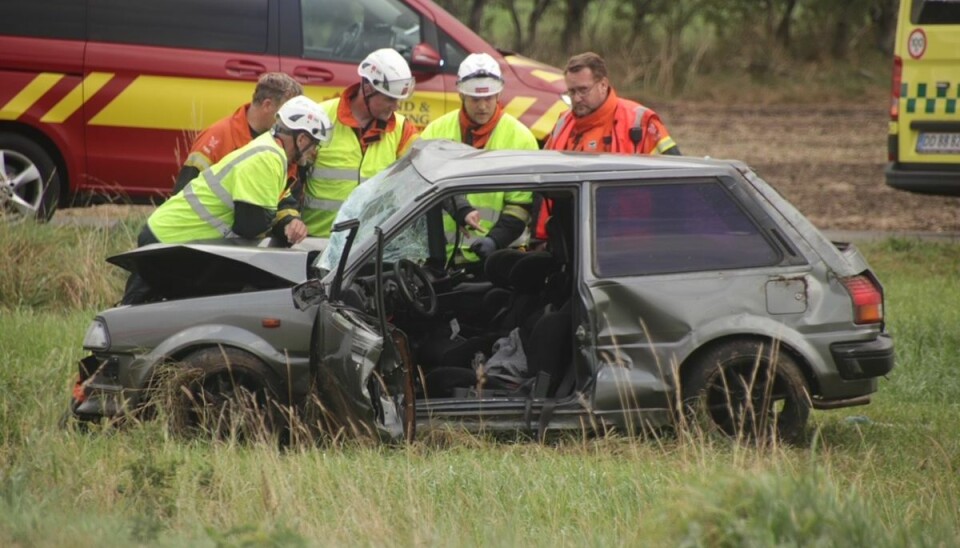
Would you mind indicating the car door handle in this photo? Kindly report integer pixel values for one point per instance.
(308, 75)
(243, 68)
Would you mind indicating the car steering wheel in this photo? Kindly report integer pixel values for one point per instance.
(415, 287)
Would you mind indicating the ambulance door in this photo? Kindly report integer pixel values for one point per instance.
(929, 45)
(157, 73)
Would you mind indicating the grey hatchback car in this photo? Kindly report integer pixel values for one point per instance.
(665, 284)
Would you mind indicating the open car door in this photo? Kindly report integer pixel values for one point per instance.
(359, 363)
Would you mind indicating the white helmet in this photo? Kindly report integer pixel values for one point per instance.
(302, 113)
(479, 76)
(388, 72)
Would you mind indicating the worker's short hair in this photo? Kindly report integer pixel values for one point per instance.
(589, 60)
(276, 86)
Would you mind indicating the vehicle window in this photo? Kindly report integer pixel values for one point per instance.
(410, 243)
(34, 19)
(667, 228)
(451, 52)
(347, 30)
(227, 25)
(372, 203)
(935, 12)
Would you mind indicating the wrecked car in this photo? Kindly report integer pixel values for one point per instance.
(668, 288)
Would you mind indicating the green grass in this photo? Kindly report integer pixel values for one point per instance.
(881, 475)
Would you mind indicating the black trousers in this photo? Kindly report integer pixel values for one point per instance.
(138, 290)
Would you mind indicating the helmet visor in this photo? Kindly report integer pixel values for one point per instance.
(401, 88)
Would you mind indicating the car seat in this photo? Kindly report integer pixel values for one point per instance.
(539, 306)
(522, 285)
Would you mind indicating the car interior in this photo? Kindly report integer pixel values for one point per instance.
(505, 329)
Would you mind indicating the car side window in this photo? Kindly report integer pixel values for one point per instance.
(674, 227)
(34, 19)
(347, 30)
(451, 52)
(225, 25)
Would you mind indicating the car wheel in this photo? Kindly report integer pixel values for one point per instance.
(29, 180)
(747, 390)
(225, 393)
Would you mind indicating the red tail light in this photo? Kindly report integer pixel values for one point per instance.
(867, 299)
(895, 92)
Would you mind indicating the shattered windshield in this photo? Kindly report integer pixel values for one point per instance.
(372, 203)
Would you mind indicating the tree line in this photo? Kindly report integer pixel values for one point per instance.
(670, 39)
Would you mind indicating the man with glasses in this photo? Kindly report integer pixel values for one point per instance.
(600, 121)
(368, 135)
(495, 219)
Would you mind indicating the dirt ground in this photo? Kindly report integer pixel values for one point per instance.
(827, 160)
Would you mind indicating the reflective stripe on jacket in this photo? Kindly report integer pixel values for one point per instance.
(255, 173)
(510, 134)
(341, 165)
(631, 122)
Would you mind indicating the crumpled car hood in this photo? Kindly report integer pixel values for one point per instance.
(193, 270)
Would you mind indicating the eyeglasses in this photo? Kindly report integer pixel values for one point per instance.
(582, 91)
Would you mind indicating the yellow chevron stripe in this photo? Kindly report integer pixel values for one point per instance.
(548, 76)
(210, 100)
(29, 95)
(518, 105)
(541, 128)
(75, 99)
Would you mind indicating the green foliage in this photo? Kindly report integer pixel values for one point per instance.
(803, 508)
(686, 48)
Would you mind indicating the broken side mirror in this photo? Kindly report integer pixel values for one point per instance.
(308, 294)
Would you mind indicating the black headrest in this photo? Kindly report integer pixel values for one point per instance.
(498, 265)
(529, 273)
(557, 239)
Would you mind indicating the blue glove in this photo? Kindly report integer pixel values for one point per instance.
(483, 247)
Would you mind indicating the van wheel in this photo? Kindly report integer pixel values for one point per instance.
(748, 390)
(225, 393)
(29, 180)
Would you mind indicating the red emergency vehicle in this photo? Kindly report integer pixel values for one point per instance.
(102, 99)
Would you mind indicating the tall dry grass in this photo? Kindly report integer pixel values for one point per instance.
(46, 266)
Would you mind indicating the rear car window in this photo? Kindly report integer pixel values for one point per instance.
(347, 30)
(935, 12)
(224, 25)
(672, 228)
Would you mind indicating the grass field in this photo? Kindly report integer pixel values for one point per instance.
(883, 475)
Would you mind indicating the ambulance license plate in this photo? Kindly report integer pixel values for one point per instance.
(938, 143)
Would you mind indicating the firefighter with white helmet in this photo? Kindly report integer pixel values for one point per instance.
(238, 196)
(368, 135)
(492, 220)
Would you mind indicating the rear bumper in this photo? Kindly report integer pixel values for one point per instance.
(942, 179)
(864, 360)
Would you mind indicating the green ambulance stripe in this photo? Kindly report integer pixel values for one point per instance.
(921, 102)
